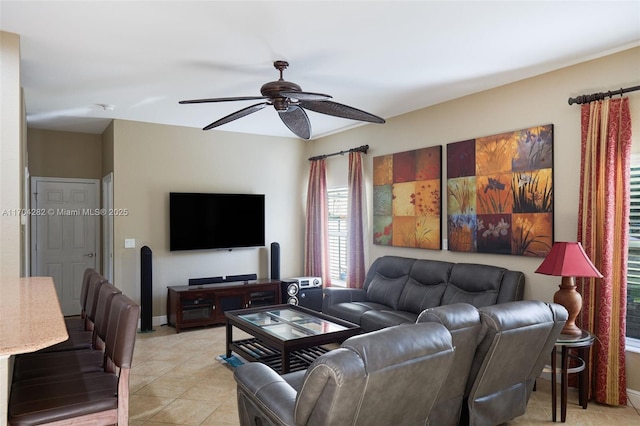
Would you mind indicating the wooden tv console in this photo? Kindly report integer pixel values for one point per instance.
(198, 305)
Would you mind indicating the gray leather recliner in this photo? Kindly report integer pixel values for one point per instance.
(463, 322)
(357, 384)
(517, 341)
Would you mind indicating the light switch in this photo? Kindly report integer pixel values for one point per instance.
(129, 243)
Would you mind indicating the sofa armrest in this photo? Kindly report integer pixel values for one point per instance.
(333, 295)
(266, 392)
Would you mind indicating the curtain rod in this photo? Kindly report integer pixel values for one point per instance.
(585, 99)
(362, 148)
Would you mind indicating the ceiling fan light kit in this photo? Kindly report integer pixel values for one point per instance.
(290, 101)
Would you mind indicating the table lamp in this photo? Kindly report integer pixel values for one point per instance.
(568, 260)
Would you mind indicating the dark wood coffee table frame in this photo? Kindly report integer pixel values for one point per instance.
(282, 355)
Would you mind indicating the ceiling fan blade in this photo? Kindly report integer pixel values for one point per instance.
(237, 98)
(297, 121)
(340, 110)
(305, 96)
(238, 114)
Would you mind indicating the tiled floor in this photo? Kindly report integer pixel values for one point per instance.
(176, 380)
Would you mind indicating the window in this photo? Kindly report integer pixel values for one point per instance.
(633, 265)
(338, 235)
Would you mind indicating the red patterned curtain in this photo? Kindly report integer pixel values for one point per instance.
(355, 227)
(316, 249)
(603, 229)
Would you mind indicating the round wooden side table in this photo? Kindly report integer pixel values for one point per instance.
(582, 345)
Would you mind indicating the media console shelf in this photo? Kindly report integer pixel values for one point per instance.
(194, 306)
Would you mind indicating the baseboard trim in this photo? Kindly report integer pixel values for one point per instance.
(633, 398)
(156, 321)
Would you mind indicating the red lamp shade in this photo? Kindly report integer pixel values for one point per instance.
(568, 260)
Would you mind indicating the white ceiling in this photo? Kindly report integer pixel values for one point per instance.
(385, 57)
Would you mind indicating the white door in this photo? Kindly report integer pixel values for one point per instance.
(64, 229)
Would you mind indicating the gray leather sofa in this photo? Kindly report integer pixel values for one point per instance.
(397, 289)
(387, 377)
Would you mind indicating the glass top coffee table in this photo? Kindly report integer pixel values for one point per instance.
(285, 337)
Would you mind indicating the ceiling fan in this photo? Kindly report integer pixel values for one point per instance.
(290, 102)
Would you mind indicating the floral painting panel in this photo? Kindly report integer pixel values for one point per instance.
(383, 170)
(461, 232)
(404, 231)
(461, 195)
(428, 232)
(494, 194)
(427, 199)
(461, 159)
(429, 163)
(382, 230)
(404, 166)
(404, 199)
(494, 153)
(494, 233)
(531, 234)
(382, 200)
(532, 191)
(534, 149)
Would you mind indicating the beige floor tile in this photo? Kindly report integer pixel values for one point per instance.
(137, 382)
(222, 418)
(167, 387)
(153, 368)
(185, 412)
(143, 407)
(210, 392)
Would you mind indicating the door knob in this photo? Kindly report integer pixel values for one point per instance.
(90, 254)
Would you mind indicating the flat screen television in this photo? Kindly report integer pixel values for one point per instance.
(199, 221)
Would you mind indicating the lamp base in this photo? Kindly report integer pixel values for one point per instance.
(568, 297)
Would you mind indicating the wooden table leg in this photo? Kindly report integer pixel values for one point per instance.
(553, 383)
(285, 361)
(229, 338)
(564, 383)
(584, 382)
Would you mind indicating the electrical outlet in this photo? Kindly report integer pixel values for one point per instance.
(129, 243)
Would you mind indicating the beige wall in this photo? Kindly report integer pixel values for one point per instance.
(11, 161)
(531, 102)
(152, 160)
(64, 154)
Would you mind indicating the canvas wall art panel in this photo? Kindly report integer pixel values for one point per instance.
(500, 193)
(407, 199)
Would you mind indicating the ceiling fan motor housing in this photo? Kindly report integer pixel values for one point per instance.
(273, 89)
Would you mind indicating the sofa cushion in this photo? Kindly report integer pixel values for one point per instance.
(352, 311)
(386, 290)
(416, 297)
(378, 319)
(477, 285)
(431, 272)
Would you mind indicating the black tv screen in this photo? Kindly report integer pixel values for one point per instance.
(199, 221)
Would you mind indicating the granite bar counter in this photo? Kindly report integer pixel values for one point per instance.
(30, 319)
